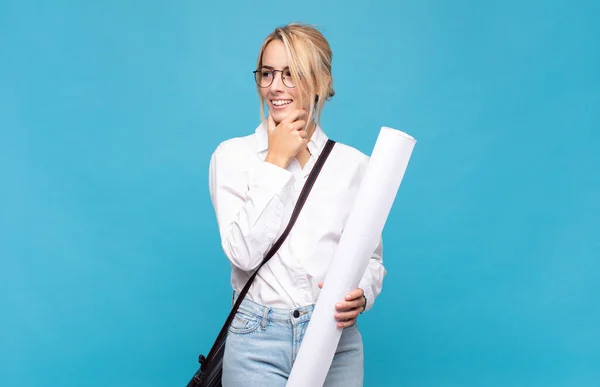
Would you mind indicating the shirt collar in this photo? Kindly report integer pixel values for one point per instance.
(315, 145)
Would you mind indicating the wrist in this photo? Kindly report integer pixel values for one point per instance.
(279, 161)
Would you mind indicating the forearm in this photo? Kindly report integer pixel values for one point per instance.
(250, 213)
(372, 280)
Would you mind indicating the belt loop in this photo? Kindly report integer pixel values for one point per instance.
(265, 318)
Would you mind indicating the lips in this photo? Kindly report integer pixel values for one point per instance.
(280, 103)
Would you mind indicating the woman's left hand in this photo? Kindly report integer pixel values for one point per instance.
(348, 310)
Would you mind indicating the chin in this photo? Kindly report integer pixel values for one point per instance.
(280, 115)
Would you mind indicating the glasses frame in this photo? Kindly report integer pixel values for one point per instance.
(272, 79)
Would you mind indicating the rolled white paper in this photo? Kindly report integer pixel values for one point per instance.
(361, 235)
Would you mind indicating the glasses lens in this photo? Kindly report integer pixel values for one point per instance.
(264, 77)
(286, 76)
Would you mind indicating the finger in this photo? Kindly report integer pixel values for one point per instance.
(320, 285)
(297, 125)
(345, 316)
(349, 305)
(356, 293)
(295, 115)
(345, 324)
(271, 123)
(303, 133)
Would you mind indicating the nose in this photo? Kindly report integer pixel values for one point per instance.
(277, 84)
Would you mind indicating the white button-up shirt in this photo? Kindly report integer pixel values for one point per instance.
(253, 201)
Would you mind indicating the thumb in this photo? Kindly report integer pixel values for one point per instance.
(270, 123)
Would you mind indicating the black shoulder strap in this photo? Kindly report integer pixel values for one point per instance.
(310, 181)
(312, 177)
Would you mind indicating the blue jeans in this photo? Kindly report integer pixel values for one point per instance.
(263, 343)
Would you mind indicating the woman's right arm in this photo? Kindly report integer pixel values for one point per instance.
(249, 206)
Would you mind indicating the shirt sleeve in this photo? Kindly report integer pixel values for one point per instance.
(249, 205)
(372, 281)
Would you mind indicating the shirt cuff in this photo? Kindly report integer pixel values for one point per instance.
(368, 290)
(272, 177)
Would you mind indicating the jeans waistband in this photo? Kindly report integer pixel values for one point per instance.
(296, 315)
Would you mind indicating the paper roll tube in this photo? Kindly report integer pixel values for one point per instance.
(359, 239)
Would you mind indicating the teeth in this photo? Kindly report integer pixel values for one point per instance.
(281, 102)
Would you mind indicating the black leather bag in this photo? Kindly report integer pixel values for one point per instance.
(211, 366)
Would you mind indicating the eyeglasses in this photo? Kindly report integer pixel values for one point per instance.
(264, 77)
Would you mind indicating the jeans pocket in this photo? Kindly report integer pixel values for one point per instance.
(244, 323)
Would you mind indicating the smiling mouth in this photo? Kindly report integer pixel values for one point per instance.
(281, 102)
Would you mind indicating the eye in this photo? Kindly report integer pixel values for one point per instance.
(266, 73)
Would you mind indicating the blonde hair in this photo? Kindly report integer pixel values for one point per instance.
(309, 58)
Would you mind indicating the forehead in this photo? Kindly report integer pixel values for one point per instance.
(275, 55)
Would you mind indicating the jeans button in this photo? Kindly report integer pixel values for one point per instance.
(296, 314)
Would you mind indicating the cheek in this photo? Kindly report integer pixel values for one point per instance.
(263, 93)
(295, 95)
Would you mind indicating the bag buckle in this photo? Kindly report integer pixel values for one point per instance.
(202, 361)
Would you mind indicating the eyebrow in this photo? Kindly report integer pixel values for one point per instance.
(273, 68)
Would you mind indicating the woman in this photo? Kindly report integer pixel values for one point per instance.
(254, 183)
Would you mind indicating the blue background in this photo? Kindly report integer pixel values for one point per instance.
(111, 272)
